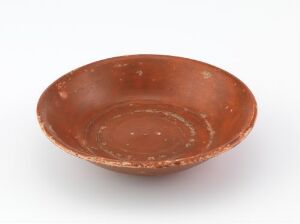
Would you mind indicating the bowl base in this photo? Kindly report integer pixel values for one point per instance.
(146, 130)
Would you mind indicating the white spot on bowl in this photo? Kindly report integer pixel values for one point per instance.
(120, 65)
(187, 145)
(206, 74)
(61, 85)
(82, 142)
(203, 115)
(132, 133)
(117, 116)
(102, 127)
(50, 128)
(158, 133)
(63, 94)
(139, 72)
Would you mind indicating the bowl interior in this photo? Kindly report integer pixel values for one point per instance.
(146, 107)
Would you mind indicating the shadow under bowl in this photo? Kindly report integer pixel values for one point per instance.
(146, 114)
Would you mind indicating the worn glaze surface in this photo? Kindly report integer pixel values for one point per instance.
(146, 114)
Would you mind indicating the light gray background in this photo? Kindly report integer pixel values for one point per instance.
(258, 41)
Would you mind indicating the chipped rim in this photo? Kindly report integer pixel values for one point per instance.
(185, 161)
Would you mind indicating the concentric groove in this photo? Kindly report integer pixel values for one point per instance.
(171, 128)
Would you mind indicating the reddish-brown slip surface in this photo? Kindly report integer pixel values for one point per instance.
(147, 114)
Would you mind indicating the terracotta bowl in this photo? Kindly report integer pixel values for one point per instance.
(146, 114)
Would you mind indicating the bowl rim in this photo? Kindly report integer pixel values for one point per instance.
(235, 140)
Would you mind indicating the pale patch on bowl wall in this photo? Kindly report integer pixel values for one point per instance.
(206, 74)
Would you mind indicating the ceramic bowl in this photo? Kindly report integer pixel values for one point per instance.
(146, 114)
